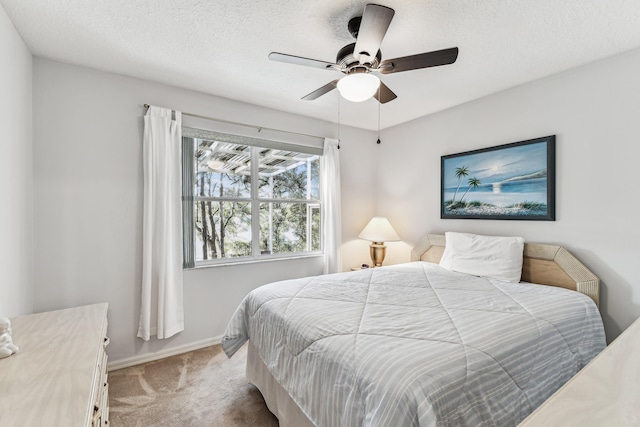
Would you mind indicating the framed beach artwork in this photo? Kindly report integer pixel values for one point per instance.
(511, 181)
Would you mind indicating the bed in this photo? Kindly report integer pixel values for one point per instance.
(418, 345)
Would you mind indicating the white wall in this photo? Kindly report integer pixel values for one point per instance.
(88, 198)
(358, 192)
(595, 113)
(16, 172)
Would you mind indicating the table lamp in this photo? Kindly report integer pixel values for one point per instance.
(378, 231)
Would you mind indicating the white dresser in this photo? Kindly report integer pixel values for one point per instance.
(59, 375)
(604, 393)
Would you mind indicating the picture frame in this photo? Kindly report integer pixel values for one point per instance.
(513, 181)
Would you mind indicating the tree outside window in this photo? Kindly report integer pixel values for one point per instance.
(239, 217)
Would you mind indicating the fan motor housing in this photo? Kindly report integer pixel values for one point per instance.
(346, 59)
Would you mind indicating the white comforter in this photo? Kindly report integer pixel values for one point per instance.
(417, 345)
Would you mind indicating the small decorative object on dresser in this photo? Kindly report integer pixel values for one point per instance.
(7, 347)
(59, 376)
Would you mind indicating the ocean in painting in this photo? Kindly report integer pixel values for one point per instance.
(503, 194)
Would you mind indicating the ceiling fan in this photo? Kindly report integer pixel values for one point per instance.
(361, 59)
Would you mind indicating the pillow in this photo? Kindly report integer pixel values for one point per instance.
(488, 256)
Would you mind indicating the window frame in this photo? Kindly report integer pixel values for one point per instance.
(255, 201)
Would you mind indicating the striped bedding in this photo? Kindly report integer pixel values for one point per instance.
(417, 345)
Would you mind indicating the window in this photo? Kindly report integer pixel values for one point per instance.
(247, 199)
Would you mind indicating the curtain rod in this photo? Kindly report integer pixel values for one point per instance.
(259, 128)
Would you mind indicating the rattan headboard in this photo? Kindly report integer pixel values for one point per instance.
(543, 264)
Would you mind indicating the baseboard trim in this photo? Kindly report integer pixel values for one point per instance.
(150, 357)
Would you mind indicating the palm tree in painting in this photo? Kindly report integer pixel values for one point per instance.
(461, 172)
(473, 183)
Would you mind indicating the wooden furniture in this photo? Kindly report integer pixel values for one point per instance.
(542, 264)
(604, 393)
(59, 375)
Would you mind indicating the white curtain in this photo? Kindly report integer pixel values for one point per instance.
(161, 311)
(330, 178)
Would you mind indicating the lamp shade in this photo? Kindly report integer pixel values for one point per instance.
(379, 229)
(358, 87)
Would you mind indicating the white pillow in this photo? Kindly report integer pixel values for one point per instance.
(488, 256)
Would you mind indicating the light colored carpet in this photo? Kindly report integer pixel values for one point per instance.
(200, 388)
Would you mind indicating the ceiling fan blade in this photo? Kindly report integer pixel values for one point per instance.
(386, 94)
(421, 60)
(321, 91)
(373, 27)
(298, 60)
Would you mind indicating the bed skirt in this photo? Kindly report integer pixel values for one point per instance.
(278, 400)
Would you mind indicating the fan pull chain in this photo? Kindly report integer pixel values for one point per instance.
(339, 121)
(379, 102)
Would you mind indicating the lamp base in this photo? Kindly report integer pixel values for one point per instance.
(377, 250)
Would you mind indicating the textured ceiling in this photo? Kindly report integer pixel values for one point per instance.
(220, 47)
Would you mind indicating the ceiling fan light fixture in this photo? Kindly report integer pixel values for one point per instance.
(358, 87)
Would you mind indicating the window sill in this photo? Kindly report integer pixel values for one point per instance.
(254, 261)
